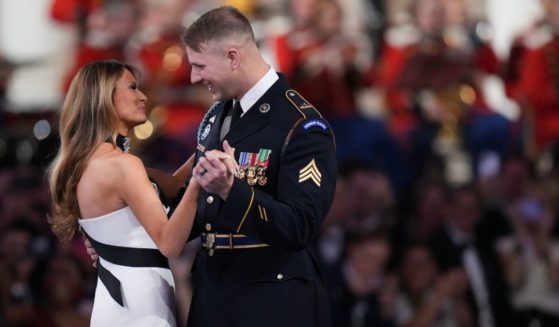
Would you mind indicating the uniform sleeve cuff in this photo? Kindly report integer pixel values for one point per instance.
(238, 204)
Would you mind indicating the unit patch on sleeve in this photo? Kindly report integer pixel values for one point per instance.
(311, 172)
(209, 118)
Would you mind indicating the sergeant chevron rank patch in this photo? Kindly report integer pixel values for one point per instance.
(310, 172)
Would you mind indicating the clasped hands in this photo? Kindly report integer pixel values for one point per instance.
(215, 171)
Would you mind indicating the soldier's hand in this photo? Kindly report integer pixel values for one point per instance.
(91, 252)
(229, 158)
(215, 171)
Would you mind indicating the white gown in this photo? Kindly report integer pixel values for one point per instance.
(148, 293)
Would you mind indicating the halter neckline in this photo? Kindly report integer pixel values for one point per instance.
(123, 142)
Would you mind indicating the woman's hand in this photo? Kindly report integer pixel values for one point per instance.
(216, 171)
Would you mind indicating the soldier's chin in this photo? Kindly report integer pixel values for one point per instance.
(220, 96)
(217, 97)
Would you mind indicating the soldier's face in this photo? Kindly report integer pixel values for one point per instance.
(552, 9)
(212, 67)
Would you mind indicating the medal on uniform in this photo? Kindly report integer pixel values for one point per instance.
(253, 166)
(251, 173)
(262, 166)
(243, 165)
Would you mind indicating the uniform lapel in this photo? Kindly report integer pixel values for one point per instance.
(258, 115)
(212, 141)
(250, 123)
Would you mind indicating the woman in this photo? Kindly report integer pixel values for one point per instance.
(94, 178)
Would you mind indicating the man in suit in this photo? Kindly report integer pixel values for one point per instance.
(254, 268)
(461, 243)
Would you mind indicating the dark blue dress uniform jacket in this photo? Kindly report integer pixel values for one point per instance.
(276, 282)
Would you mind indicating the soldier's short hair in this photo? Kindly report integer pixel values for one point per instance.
(216, 25)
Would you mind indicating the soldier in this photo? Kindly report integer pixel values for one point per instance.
(536, 84)
(255, 268)
(104, 28)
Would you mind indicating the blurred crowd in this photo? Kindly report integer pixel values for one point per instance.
(446, 203)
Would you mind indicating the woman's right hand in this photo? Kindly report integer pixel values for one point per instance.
(227, 157)
(231, 163)
(216, 171)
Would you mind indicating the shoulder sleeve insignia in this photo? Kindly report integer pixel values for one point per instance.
(310, 171)
(300, 103)
(207, 120)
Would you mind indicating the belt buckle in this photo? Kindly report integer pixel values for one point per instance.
(210, 243)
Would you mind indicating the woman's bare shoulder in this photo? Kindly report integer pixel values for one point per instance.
(99, 189)
(105, 159)
(111, 165)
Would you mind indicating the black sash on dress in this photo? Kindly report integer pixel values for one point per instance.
(124, 256)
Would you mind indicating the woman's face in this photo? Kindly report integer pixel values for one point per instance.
(430, 16)
(329, 19)
(418, 269)
(369, 257)
(130, 102)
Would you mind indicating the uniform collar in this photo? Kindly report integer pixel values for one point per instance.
(259, 89)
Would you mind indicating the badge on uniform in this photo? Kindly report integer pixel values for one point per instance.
(206, 131)
(253, 166)
(264, 108)
(315, 123)
(205, 125)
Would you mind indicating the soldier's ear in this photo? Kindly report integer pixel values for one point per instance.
(233, 55)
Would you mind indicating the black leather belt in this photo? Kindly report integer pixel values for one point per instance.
(216, 241)
(124, 256)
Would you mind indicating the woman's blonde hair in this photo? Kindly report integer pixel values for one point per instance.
(88, 118)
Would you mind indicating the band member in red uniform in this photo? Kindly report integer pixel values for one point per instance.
(104, 29)
(537, 83)
(321, 61)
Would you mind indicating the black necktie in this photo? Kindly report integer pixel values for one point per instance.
(236, 113)
(232, 117)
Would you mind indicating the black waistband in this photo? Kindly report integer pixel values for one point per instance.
(124, 256)
(131, 257)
